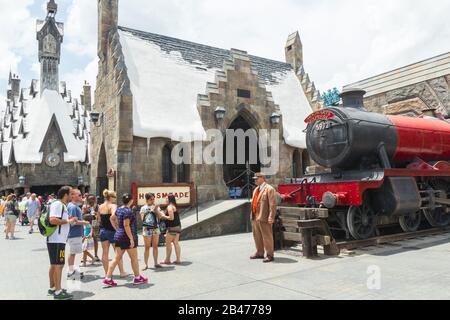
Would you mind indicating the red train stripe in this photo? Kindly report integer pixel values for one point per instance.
(428, 139)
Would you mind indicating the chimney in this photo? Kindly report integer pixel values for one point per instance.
(87, 96)
(108, 15)
(353, 98)
(15, 85)
(294, 51)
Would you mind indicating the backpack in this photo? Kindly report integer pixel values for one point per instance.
(150, 220)
(45, 227)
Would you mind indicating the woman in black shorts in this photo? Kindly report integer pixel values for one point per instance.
(173, 231)
(126, 240)
(107, 230)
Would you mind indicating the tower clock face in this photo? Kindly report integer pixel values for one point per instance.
(52, 160)
(49, 44)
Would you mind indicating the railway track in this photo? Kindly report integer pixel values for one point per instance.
(386, 239)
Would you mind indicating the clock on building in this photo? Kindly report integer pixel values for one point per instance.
(49, 44)
(52, 160)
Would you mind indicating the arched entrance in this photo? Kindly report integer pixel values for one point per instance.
(297, 165)
(102, 171)
(235, 173)
(305, 161)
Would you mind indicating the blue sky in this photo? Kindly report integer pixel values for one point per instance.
(344, 40)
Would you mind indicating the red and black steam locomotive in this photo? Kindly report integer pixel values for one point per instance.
(381, 169)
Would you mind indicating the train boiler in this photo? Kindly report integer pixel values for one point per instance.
(379, 167)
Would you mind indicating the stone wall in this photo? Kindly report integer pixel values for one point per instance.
(114, 101)
(430, 94)
(236, 220)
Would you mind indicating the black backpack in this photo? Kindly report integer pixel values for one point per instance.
(150, 220)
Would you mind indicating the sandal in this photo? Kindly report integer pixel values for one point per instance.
(158, 266)
(178, 263)
(165, 263)
(145, 269)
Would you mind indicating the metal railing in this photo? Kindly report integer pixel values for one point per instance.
(249, 186)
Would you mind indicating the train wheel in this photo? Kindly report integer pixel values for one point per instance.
(438, 217)
(411, 222)
(361, 222)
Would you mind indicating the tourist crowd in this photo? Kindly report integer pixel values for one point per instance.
(81, 223)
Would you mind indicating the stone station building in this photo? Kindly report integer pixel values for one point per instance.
(153, 88)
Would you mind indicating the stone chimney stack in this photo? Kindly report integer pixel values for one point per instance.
(15, 85)
(108, 16)
(87, 96)
(294, 51)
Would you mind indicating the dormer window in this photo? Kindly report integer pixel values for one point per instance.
(289, 48)
(241, 93)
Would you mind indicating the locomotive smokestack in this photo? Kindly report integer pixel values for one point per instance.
(353, 98)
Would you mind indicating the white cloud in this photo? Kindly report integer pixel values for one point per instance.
(75, 79)
(344, 41)
(15, 38)
(81, 28)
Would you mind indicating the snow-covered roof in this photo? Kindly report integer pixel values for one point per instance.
(6, 152)
(294, 106)
(41, 112)
(167, 74)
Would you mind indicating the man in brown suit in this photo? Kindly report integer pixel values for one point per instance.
(264, 208)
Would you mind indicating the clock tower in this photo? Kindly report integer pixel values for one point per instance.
(50, 36)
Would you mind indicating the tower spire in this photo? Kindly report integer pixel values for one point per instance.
(52, 8)
(50, 36)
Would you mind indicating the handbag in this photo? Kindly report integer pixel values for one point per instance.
(150, 220)
(174, 230)
(163, 226)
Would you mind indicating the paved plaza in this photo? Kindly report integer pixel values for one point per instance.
(219, 268)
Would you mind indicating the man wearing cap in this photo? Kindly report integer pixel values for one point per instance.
(264, 207)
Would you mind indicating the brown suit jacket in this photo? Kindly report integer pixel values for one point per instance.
(267, 204)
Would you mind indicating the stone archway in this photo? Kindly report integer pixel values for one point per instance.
(306, 162)
(297, 164)
(102, 172)
(233, 172)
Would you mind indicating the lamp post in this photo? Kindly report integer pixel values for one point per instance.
(22, 184)
(275, 118)
(81, 184)
(22, 181)
(97, 119)
(220, 113)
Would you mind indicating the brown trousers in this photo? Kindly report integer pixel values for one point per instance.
(263, 236)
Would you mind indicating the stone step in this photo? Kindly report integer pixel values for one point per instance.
(216, 218)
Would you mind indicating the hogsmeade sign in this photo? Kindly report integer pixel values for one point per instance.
(183, 194)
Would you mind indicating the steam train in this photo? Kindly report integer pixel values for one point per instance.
(380, 169)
